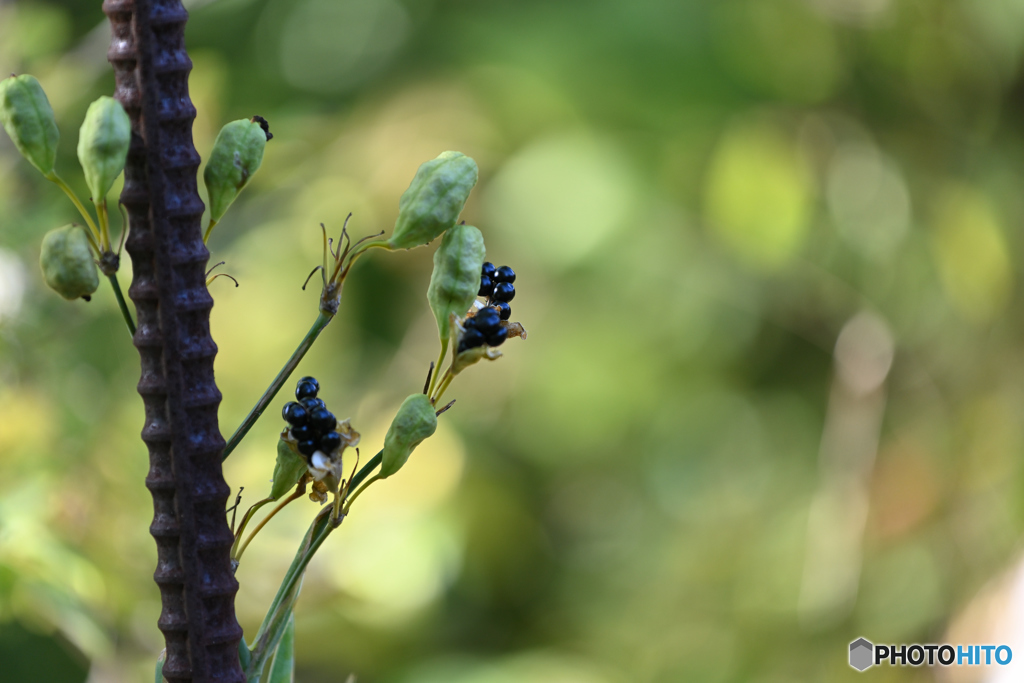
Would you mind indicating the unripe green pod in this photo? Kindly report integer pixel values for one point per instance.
(28, 118)
(67, 262)
(414, 422)
(434, 199)
(456, 278)
(236, 156)
(103, 145)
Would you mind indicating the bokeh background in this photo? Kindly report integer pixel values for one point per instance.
(768, 256)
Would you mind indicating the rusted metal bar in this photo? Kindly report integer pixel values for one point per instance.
(181, 398)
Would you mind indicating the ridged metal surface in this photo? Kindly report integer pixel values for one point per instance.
(165, 243)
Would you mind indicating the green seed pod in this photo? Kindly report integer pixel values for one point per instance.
(236, 156)
(434, 199)
(456, 278)
(67, 263)
(103, 145)
(288, 469)
(414, 422)
(28, 119)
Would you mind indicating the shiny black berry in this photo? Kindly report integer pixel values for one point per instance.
(306, 389)
(503, 291)
(486, 286)
(307, 447)
(471, 339)
(504, 274)
(307, 378)
(323, 420)
(504, 310)
(294, 414)
(487, 319)
(487, 270)
(311, 404)
(330, 441)
(302, 432)
(497, 337)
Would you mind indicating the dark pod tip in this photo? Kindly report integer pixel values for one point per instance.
(264, 125)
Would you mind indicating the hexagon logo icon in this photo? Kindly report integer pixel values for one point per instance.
(861, 654)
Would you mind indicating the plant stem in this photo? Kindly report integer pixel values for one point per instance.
(318, 326)
(245, 520)
(375, 462)
(448, 377)
(280, 506)
(437, 367)
(59, 182)
(355, 495)
(273, 624)
(122, 304)
(209, 229)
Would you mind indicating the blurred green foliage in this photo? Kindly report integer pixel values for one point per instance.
(698, 197)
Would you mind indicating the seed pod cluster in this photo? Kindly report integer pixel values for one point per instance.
(236, 156)
(496, 285)
(415, 421)
(483, 328)
(454, 283)
(27, 116)
(312, 425)
(103, 145)
(434, 199)
(67, 262)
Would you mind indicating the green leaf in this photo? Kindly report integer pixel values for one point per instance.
(103, 145)
(159, 677)
(243, 652)
(283, 669)
(414, 422)
(67, 262)
(27, 116)
(287, 471)
(236, 156)
(456, 278)
(434, 199)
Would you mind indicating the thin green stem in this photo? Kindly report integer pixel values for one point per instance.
(318, 326)
(209, 229)
(104, 224)
(245, 520)
(59, 182)
(362, 474)
(121, 303)
(280, 506)
(348, 505)
(437, 367)
(443, 386)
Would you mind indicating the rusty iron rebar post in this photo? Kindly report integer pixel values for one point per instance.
(181, 398)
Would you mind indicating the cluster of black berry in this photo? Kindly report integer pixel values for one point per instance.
(312, 425)
(496, 285)
(485, 327)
